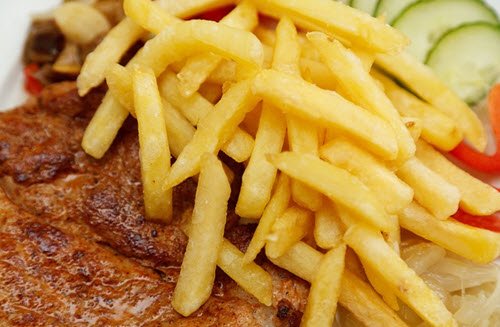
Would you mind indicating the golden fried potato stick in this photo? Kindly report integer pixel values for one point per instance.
(356, 295)
(335, 183)
(422, 80)
(288, 228)
(206, 235)
(437, 128)
(327, 109)
(370, 246)
(196, 107)
(325, 290)
(180, 40)
(258, 178)
(387, 187)
(121, 37)
(328, 229)
(213, 131)
(275, 208)
(302, 135)
(198, 68)
(337, 19)
(476, 197)
(103, 127)
(381, 287)
(357, 85)
(155, 19)
(154, 151)
(249, 276)
(431, 190)
(179, 130)
(476, 244)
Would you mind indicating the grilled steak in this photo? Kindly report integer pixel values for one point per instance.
(74, 245)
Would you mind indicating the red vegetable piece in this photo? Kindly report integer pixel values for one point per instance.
(31, 83)
(491, 223)
(216, 14)
(477, 160)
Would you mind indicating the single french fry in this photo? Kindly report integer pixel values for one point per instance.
(224, 73)
(387, 187)
(328, 229)
(302, 135)
(258, 178)
(121, 37)
(179, 130)
(325, 290)
(103, 127)
(198, 68)
(155, 18)
(275, 208)
(251, 121)
(249, 276)
(356, 295)
(357, 85)
(476, 197)
(335, 183)
(333, 17)
(80, 22)
(206, 234)
(109, 51)
(421, 80)
(154, 151)
(213, 131)
(437, 128)
(370, 246)
(288, 229)
(431, 190)
(381, 287)
(327, 109)
(476, 244)
(196, 107)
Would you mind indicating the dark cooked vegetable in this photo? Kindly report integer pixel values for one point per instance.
(44, 43)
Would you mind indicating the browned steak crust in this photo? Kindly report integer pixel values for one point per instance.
(74, 245)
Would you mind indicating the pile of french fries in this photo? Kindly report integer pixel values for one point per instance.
(337, 153)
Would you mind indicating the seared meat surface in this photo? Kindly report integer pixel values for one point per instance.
(74, 245)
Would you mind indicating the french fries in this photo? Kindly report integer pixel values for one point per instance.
(249, 276)
(421, 80)
(179, 130)
(431, 190)
(475, 244)
(335, 183)
(357, 84)
(387, 187)
(206, 235)
(333, 17)
(476, 197)
(80, 22)
(258, 178)
(437, 128)
(303, 261)
(103, 127)
(213, 131)
(381, 287)
(309, 102)
(275, 208)
(325, 290)
(198, 68)
(154, 151)
(404, 282)
(328, 229)
(302, 136)
(288, 228)
(155, 18)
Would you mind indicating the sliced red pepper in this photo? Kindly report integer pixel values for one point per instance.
(477, 160)
(216, 14)
(31, 83)
(491, 223)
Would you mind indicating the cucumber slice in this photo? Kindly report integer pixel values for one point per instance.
(391, 8)
(426, 21)
(367, 6)
(467, 58)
